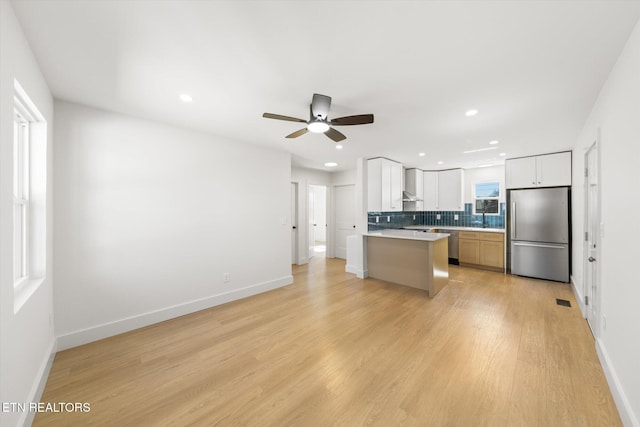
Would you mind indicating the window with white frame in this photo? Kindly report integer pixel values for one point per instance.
(29, 197)
(486, 198)
(20, 197)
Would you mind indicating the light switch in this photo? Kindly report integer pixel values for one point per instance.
(455, 217)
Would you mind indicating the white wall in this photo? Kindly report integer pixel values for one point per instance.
(26, 338)
(493, 173)
(149, 217)
(348, 177)
(617, 115)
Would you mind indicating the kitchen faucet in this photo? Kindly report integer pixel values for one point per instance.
(484, 208)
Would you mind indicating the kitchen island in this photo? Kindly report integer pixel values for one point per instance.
(410, 258)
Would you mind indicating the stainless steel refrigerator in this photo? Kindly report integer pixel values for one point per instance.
(539, 221)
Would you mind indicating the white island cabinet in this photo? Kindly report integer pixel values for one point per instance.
(385, 179)
(547, 170)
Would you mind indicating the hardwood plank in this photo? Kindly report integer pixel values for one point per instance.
(490, 349)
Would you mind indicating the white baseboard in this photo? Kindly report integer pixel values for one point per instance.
(351, 269)
(579, 298)
(629, 419)
(37, 388)
(362, 274)
(106, 330)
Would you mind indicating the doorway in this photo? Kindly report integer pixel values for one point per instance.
(317, 230)
(294, 223)
(592, 238)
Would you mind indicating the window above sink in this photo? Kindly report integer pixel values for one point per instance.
(486, 198)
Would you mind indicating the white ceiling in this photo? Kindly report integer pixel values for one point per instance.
(532, 68)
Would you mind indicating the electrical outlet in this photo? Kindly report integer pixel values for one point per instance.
(414, 217)
(388, 218)
(377, 219)
(438, 216)
(226, 277)
(455, 217)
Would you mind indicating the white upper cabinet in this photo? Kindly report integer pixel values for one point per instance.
(413, 183)
(384, 185)
(450, 190)
(521, 173)
(443, 190)
(548, 170)
(554, 169)
(430, 190)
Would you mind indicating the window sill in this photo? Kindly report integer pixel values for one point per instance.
(23, 290)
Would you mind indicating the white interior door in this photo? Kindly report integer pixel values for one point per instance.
(317, 220)
(592, 235)
(345, 211)
(294, 223)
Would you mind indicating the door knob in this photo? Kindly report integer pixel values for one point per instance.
(591, 259)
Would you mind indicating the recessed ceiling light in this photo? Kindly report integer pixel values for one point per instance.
(338, 147)
(471, 113)
(479, 149)
(440, 162)
(331, 164)
(494, 142)
(185, 98)
(422, 154)
(502, 154)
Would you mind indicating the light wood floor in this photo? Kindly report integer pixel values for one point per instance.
(333, 350)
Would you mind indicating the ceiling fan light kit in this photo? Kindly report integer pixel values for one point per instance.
(318, 127)
(318, 122)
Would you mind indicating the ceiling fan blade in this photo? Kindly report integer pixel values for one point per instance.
(335, 135)
(320, 105)
(298, 133)
(361, 119)
(280, 117)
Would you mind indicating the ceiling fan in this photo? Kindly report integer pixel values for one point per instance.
(318, 122)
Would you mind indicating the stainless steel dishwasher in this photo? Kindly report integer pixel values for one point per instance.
(453, 245)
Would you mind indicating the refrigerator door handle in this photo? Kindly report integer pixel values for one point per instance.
(513, 220)
(540, 245)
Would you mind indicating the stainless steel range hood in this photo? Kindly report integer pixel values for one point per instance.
(408, 197)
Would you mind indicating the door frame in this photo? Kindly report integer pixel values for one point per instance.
(592, 218)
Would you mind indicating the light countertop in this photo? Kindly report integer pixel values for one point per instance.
(407, 234)
(435, 227)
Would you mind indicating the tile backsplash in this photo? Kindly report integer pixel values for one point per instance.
(430, 218)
